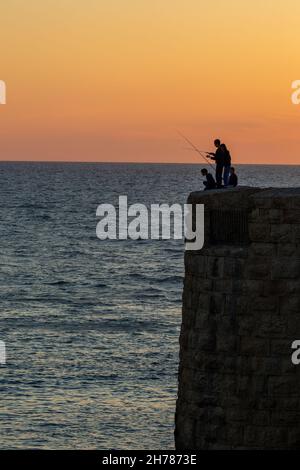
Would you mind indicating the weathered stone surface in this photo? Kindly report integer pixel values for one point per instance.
(238, 388)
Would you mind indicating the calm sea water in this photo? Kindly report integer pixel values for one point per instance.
(91, 326)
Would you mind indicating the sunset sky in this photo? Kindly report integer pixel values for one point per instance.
(112, 80)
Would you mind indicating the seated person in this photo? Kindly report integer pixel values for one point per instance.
(233, 179)
(210, 181)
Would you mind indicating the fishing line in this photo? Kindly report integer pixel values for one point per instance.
(196, 149)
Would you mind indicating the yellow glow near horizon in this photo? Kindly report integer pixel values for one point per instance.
(111, 80)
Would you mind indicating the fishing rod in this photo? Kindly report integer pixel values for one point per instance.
(196, 149)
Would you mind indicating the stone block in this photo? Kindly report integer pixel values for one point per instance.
(260, 232)
(285, 268)
(282, 233)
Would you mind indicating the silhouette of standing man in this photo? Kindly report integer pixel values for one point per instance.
(219, 157)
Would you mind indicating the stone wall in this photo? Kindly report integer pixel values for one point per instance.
(238, 388)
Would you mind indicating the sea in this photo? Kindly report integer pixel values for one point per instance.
(91, 326)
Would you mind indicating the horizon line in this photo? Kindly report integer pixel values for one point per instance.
(140, 163)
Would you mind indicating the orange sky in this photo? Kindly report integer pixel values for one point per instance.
(111, 80)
